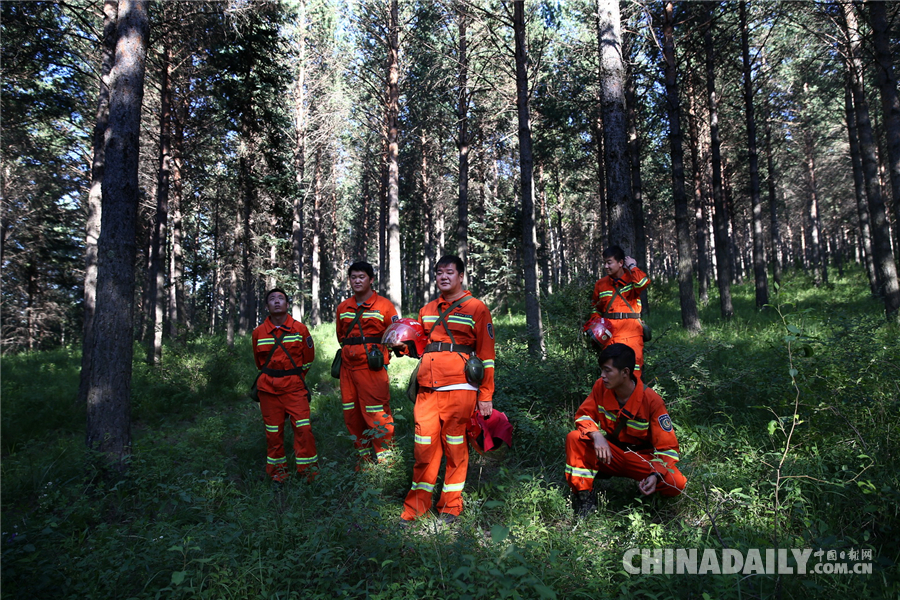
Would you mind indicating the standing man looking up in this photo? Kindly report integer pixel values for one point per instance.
(617, 297)
(284, 352)
(365, 390)
(455, 376)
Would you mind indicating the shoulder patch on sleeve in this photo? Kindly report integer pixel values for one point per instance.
(395, 318)
(309, 341)
(665, 422)
(490, 330)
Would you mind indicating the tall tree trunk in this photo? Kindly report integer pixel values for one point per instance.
(543, 250)
(615, 130)
(315, 265)
(176, 258)
(248, 192)
(701, 218)
(462, 137)
(94, 204)
(723, 261)
(427, 223)
(775, 231)
(760, 279)
(881, 243)
(109, 395)
(300, 130)
(156, 279)
(637, 186)
(690, 319)
(533, 324)
(395, 277)
(862, 207)
(890, 102)
(817, 254)
(600, 239)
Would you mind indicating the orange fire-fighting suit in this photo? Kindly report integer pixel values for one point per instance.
(446, 401)
(624, 314)
(282, 393)
(647, 436)
(366, 394)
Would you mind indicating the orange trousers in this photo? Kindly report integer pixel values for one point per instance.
(636, 343)
(582, 466)
(366, 398)
(275, 407)
(441, 419)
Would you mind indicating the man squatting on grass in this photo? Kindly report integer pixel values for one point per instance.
(284, 352)
(623, 427)
(365, 390)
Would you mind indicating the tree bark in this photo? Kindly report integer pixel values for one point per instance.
(701, 218)
(817, 253)
(94, 203)
(300, 131)
(533, 324)
(615, 130)
(315, 275)
(395, 277)
(760, 279)
(862, 207)
(462, 137)
(109, 394)
(690, 318)
(177, 312)
(886, 268)
(723, 261)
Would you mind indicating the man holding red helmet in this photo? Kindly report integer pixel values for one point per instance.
(365, 390)
(455, 376)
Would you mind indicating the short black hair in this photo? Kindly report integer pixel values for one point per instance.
(451, 259)
(615, 252)
(363, 267)
(273, 290)
(622, 356)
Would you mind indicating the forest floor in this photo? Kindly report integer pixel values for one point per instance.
(787, 420)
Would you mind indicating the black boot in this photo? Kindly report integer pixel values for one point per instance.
(585, 503)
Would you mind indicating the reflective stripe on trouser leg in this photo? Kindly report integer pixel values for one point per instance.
(297, 406)
(581, 462)
(273, 417)
(428, 452)
(456, 410)
(369, 419)
(638, 466)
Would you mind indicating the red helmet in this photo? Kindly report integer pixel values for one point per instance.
(406, 331)
(488, 434)
(598, 332)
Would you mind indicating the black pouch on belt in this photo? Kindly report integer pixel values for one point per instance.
(375, 358)
(474, 371)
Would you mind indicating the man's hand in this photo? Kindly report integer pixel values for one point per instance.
(648, 486)
(601, 447)
(630, 263)
(485, 408)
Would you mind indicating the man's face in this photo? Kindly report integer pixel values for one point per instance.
(613, 267)
(613, 377)
(449, 280)
(276, 303)
(360, 282)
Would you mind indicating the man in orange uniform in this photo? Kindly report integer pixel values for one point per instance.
(618, 298)
(447, 399)
(365, 389)
(284, 351)
(624, 429)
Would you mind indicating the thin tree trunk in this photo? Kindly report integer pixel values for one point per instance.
(94, 204)
(300, 130)
(862, 207)
(462, 138)
(775, 231)
(889, 288)
(817, 255)
(156, 279)
(890, 102)
(615, 129)
(723, 262)
(533, 322)
(760, 280)
(690, 319)
(427, 223)
(701, 217)
(109, 395)
(247, 187)
(637, 186)
(315, 276)
(395, 277)
(176, 259)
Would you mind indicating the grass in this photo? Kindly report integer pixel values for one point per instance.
(194, 516)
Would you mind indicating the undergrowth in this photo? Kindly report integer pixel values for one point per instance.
(786, 417)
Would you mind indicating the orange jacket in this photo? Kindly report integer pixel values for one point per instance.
(648, 423)
(471, 325)
(378, 314)
(295, 337)
(605, 299)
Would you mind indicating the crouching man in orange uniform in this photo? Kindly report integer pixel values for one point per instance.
(284, 352)
(459, 326)
(365, 389)
(623, 430)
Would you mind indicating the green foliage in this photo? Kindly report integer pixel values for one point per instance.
(195, 517)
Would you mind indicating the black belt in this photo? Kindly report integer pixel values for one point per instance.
(622, 315)
(356, 341)
(445, 347)
(626, 447)
(282, 372)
